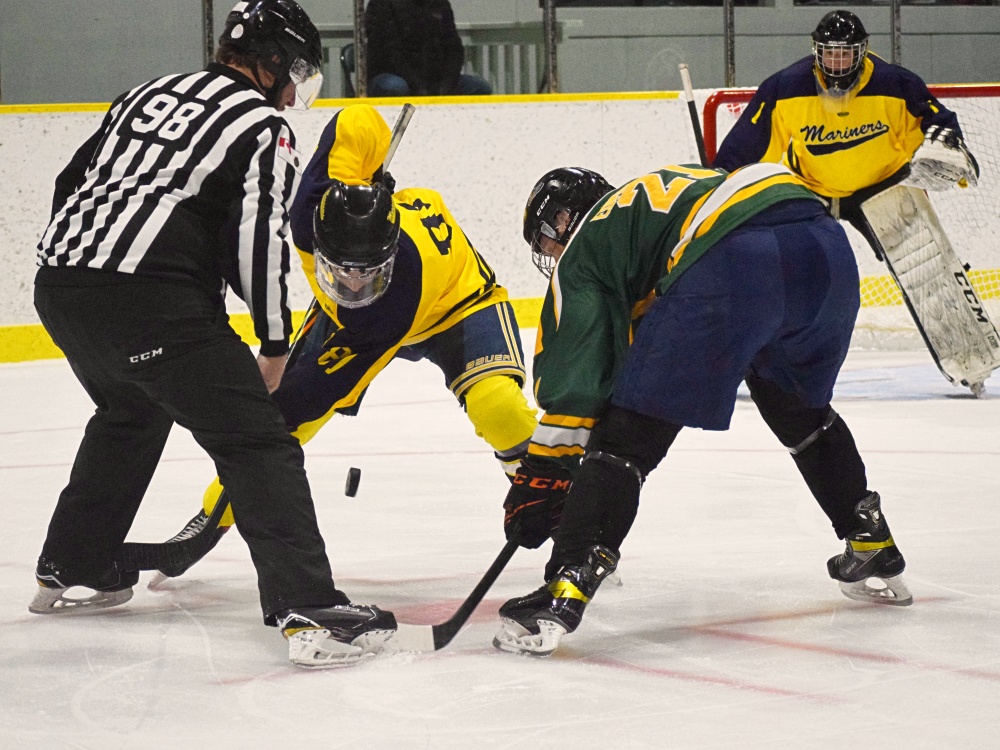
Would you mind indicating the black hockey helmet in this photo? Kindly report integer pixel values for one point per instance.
(571, 189)
(280, 35)
(356, 232)
(840, 44)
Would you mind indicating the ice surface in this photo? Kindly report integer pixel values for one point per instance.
(726, 632)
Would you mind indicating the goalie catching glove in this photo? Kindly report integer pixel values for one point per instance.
(942, 161)
(534, 503)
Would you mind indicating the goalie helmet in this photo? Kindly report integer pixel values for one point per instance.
(840, 44)
(356, 229)
(570, 189)
(280, 35)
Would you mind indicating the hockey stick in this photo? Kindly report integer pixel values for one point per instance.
(181, 551)
(405, 115)
(435, 637)
(693, 112)
(300, 336)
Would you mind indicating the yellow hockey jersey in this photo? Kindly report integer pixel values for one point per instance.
(438, 277)
(837, 146)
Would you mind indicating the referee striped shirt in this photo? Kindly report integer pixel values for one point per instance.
(187, 179)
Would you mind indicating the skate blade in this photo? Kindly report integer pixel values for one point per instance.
(316, 649)
(514, 638)
(893, 591)
(58, 602)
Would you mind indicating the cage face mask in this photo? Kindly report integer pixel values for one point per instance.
(352, 287)
(840, 65)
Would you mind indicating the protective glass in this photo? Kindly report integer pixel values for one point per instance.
(351, 287)
(308, 81)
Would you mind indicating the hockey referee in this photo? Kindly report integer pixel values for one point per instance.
(182, 192)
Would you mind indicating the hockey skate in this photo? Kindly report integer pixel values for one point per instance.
(338, 636)
(871, 554)
(57, 590)
(534, 624)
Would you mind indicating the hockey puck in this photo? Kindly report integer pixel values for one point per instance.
(353, 480)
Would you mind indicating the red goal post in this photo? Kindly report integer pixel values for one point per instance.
(971, 217)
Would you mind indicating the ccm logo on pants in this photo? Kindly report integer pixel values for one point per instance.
(146, 355)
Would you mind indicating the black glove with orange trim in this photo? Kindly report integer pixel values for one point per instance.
(534, 504)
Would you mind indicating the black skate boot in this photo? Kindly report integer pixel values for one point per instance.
(871, 554)
(535, 623)
(338, 636)
(111, 589)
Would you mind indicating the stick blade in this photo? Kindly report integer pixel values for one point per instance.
(413, 638)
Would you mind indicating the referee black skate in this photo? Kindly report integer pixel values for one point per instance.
(181, 192)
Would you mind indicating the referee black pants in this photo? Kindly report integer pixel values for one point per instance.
(149, 354)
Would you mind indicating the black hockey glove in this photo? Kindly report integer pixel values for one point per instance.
(385, 178)
(534, 503)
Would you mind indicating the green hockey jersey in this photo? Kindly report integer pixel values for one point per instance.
(632, 246)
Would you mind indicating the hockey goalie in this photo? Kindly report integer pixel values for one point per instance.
(943, 303)
(869, 138)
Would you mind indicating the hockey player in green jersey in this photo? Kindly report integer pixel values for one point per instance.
(668, 292)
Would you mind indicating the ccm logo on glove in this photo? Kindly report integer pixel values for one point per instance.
(542, 483)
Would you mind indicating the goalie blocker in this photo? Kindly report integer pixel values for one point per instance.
(946, 309)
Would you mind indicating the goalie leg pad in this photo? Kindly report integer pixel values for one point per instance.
(945, 307)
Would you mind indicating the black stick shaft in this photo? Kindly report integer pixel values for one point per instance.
(693, 112)
(444, 632)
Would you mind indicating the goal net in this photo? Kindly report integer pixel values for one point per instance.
(970, 216)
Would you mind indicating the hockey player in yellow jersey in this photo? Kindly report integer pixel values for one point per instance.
(850, 125)
(394, 276)
(870, 138)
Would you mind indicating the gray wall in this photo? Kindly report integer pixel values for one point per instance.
(639, 49)
(92, 50)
